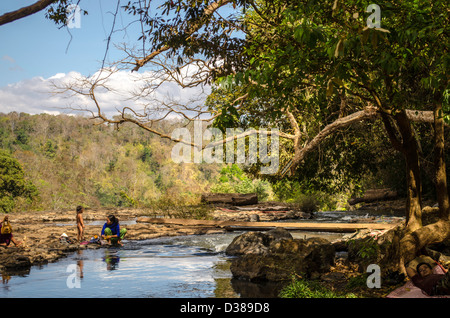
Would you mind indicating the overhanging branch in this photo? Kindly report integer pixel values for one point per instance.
(25, 11)
(368, 113)
(209, 10)
(340, 123)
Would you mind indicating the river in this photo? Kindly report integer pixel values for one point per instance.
(184, 266)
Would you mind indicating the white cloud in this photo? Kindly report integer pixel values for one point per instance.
(8, 58)
(57, 76)
(13, 66)
(37, 95)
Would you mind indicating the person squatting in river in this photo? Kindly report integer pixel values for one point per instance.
(111, 231)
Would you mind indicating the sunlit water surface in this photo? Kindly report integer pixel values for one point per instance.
(187, 266)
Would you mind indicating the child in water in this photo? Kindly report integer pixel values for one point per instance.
(80, 223)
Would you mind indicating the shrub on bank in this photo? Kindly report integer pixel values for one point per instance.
(301, 288)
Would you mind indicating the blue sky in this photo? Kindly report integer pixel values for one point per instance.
(34, 46)
(34, 51)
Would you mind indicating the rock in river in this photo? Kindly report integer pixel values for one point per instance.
(255, 242)
(263, 257)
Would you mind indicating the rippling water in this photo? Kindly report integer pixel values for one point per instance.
(186, 266)
(171, 267)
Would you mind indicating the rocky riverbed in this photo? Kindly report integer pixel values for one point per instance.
(39, 233)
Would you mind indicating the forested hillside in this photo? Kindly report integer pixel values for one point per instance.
(71, 161)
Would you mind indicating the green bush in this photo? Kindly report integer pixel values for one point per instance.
(301, 288)
(306, 197)
(13, 184)
(233, 180)
(366, 249)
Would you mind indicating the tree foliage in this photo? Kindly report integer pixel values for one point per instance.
(65, 157)
(13, 184)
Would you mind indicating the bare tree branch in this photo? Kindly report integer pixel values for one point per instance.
(25, 11)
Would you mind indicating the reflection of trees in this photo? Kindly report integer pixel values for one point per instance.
(231, 288)
(8, 274)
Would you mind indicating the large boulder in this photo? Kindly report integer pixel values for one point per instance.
(367, 247)
(263, 257)
(255, 242)
(249, 243)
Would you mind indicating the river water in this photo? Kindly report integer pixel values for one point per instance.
(185, 266)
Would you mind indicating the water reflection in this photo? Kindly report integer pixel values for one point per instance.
(248, 289)
(5, 278)
(189, 266)
(80, 264)
(111, 259)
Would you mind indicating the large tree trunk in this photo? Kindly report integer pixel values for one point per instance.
(413, 178)
(375, 195)
(413, 242)
(439, 161)
(403, 140)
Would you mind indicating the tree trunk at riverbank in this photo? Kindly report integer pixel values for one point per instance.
(442, 190)
(403, 139)
(437, 232)
(413, 179)
(416, 236)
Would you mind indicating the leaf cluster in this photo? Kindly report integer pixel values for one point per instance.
(190, 28)
(58, 12)
(302, 288)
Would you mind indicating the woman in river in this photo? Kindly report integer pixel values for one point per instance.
(111, 231)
